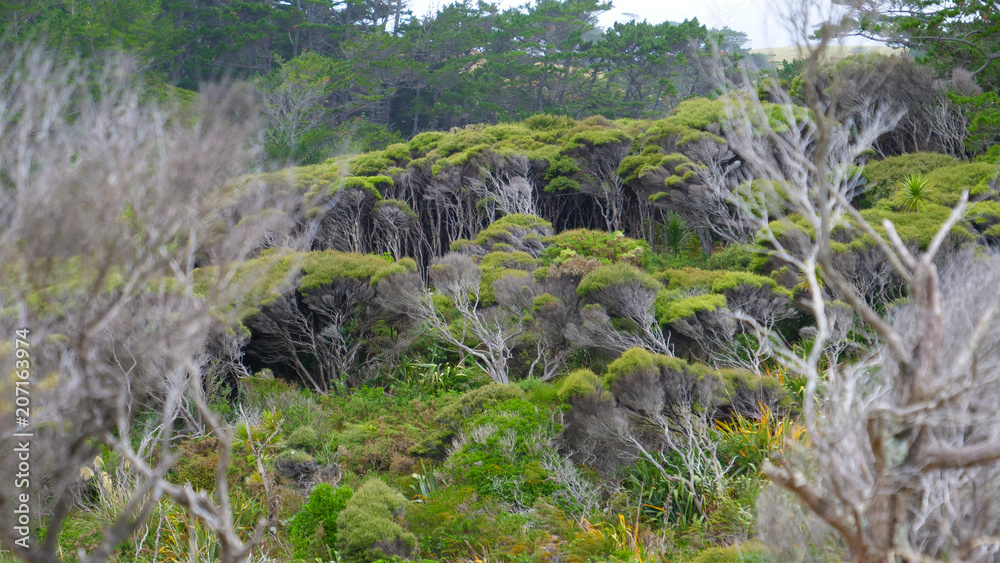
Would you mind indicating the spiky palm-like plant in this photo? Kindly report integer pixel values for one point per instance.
(676, 233)
(914, 188)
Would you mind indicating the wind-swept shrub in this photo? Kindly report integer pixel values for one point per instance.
(325, 332)
(516, 233)
(621, 312)
(608, 247)
(455, 312)
(609, 431)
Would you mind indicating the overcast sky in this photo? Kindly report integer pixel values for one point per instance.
(760, 19)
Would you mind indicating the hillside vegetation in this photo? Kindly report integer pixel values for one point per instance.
(550, 300)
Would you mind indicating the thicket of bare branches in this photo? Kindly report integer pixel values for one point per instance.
(324, 337)
(904, 454)
(486, 332)
(107, 207)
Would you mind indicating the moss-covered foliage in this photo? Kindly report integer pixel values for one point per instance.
(670, 309)
(735, 257)
(304, 438)
(915, 228)
(698, 113)
(270, 274)
(598, 245)
(554, 144)
(616, 274)
(580, 383)
(368, 526)
(693, 290)
(322, 267)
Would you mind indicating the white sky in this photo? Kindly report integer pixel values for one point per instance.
(760, 19)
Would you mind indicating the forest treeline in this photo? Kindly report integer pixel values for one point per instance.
(374, 69)
(356, 75)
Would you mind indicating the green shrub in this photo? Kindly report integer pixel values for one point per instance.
(689, 278)
(313, 529)
(751, 552)
(942, 186)
(322, 267)
(452, 518)
(197, 463)
(616, 274)
(399, 152)
(668, 310)
(600, 245)
(199, 472)
(424, 142)
(371, 164)
(476, 401)
(751, 391)
(732, 280)
(293, 457)
(633, 361)
(448, 518)
(304, 438)
(587, 138)
(540, 392)
(502, 452)
(669, 132)
(581, 382)
(389, 442)
(546, 122)
(947, 183)
(562, 183)
(636, 361)
(916, 228)
(991, 156)
(652, 160)
(367, 529)
(399, 205)
(504, 260)
(698, 113)
(512, 225)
